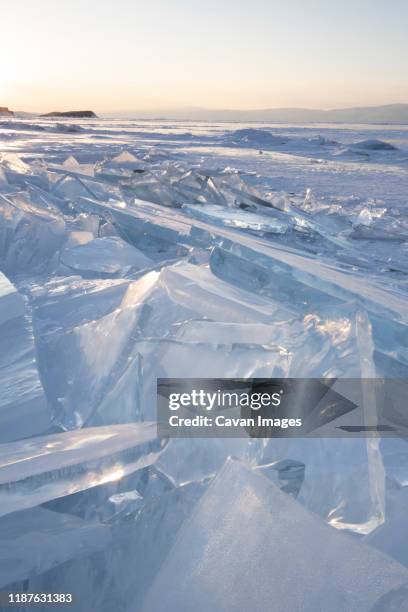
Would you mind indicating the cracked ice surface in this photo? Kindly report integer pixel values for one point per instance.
(131, 250)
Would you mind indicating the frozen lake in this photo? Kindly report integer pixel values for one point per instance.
(135, 250)
(316, 156)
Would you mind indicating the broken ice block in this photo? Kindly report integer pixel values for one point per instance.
(35, 540)
(23, 406)
(73, 320)
(391, 537)
(395, 455)
(330, 344)
(228, 333)
(82, 366)
(40, 469)
(104, 257)
(65, 302)
(115, 501)
(249, 546)
(72, 164)
(175, 359)
(344, 479)
(71, 186)
(196, 290)
(29, 235)
(288, 474)
(86, 346)
(122, 573)
(19, 172)
(70, 322)
(268, 270)
(188, 460)
(238, 219)
(124, 161)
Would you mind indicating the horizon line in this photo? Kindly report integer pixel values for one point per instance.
(180, 109)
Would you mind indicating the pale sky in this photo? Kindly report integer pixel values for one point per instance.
(124, 55)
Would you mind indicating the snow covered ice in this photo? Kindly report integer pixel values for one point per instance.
(133, 250)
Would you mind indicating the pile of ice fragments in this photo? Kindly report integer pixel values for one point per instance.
(116, 272)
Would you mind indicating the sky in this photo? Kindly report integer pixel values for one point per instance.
(125, 55)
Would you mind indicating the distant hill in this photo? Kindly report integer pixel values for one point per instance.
(390, 113)
(86, 114)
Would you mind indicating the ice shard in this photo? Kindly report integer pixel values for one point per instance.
(64, 302)
(138, 250)
(245, 532)
(47, 467)
(23, 406)
(122, 573)
(390, 537)
(258, 224)
(35, 540)
(82, 367)
(268, 270)
(104, 257)
(30, 236)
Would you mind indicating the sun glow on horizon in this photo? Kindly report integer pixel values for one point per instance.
(126, 56)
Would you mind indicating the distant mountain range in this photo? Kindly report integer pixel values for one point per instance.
(390, 113)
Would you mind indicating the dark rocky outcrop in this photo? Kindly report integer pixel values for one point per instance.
(86, 114)
(6, 111)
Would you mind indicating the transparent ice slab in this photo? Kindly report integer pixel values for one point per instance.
(189, 460)
(268, 270)
(35, 540)
(22, 174)
(65, 302)
(258, 224)
(117, 501)
(332, 343)
(390, 537)
(104, 257)
(73, 317)
(121, 574)
(245, 531)
(91, 368)
(139, 219)
(71, 186)
(23, 406)
(175, 359)
(344, 479)
(30, 236)
(72, 164)
(47, 467)
(197, 290)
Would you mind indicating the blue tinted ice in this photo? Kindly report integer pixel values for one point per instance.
(133, 250)
(23, 405)
(245, 532)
